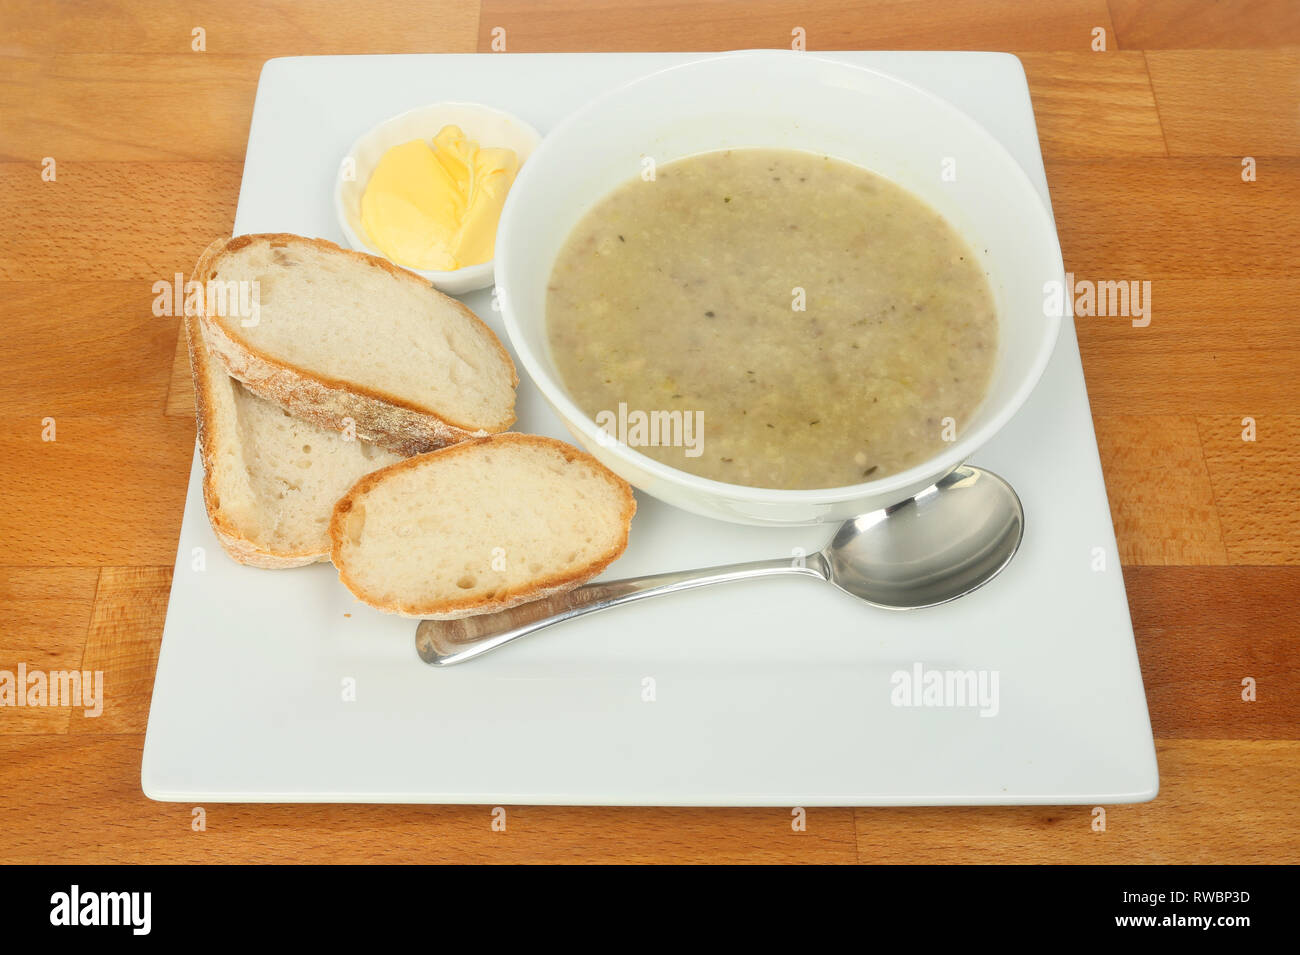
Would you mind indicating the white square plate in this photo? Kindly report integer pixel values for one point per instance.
(763, 693)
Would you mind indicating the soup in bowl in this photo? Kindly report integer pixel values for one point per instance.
(771, 288)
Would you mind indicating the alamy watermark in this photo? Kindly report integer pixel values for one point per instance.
(946, 688)
(1085, 299)
(84, 688)
(652, 429)
(233, 298)
(78, 907)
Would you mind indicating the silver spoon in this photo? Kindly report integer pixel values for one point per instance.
(953, 537)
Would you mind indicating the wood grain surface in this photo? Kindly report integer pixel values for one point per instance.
(1144, 144)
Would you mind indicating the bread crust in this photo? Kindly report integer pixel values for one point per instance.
(330, 403)
(543, 587)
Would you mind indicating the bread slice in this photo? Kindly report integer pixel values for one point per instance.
(270, 481)
(351, 341)
(479, 527)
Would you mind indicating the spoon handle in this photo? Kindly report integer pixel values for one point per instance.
(445, 642)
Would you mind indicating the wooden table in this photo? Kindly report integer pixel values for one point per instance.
(1144, 144)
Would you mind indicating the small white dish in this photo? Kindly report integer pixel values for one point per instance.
(483, 124)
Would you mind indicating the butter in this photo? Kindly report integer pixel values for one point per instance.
(435, 205)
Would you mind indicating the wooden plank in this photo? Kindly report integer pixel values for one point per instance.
(261, 27)
(1247, 819)
(1161, 500)
(1256, 485)
(1190, 315)
(62, 788)
(1093, 105)
(1229, 343)
(577, 25)
(1150, 218)
(84, 107)
(140, 222)
(1121, 380)
(1200, 632)
(125, 633)
(108, 491)
(1196, 24)
(103, 336)
(46, 612)
(1230, 103)
(180, 386)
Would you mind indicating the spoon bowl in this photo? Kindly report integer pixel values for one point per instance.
(951, 538)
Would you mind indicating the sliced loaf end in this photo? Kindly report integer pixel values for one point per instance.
(270, 481)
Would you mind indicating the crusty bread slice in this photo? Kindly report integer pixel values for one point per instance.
(348, 340)
(270, 481)
(478, 527)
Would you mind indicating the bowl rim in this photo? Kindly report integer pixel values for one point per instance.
(902, 481)
(479, 270)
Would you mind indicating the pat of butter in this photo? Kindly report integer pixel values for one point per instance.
(436, 205)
